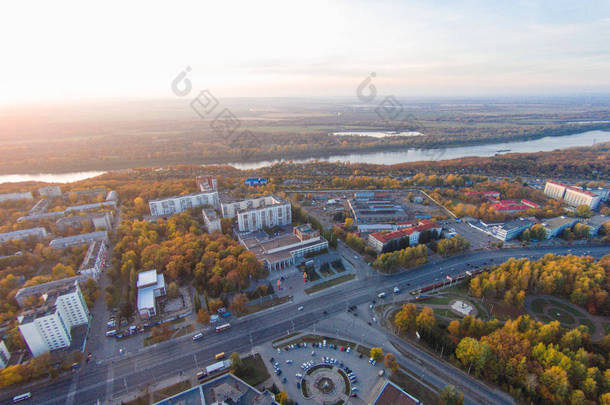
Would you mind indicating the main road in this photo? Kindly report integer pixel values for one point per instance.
(112, 377)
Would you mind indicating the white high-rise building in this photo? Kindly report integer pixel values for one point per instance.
(256, 213)
(5, 356)
(574, 196)
(47, 327)
(176, 204)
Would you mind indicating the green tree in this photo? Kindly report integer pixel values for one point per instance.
(451, 396)
(426, 320)
(377, 353)
(583, 211)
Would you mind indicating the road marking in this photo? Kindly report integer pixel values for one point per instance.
(109, 381)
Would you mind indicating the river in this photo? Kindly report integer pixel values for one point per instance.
(548, 143)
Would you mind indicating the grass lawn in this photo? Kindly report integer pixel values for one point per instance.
(364, 350)
(171, 390)
(330, 283)
(256, 372)
(447, 313)
(414, 388)
(565, 307)
(461, 288)
(440, 300)
(545, 319)
(562, 316)
(326, 272)
(539, 303)
(285, 337)
(185, 330)
(267, 304)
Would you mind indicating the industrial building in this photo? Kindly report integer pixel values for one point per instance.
(38, 232)
(176, 204)
(62, 243)
(511, 229)
(573, 196)
(257, 213)
(48, 326)
(376, 209)
(150, 287)
(382, 242)
(211, 220)
(286, 250)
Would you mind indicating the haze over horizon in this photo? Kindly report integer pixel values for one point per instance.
(313, 49)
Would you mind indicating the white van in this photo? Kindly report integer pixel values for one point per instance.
(111, 332)
(22, 397)
(198, 336)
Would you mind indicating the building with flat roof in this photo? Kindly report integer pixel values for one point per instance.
(50, 191)
(45, 215)
(62, 243)
(382, 242)
(38, 232)
(48, 326)
(257, 213)
(211, 220)
(16, 196)
(150, 287)
(24, 293)
(512, 206)
(595, 223)
(554, 226)
(511, 229)
(376, 210)
(206, 183)
(177, 204)
(388, 393)
(5, 356)
(224, 389)
(95, 260)
(87, 207)
(283, 251)
(98, 220)
(573, 196)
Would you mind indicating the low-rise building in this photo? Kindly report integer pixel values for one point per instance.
(50, 191)
(98, 220)
(5, 356)
(595, 223)
(62, 243)
(258, 213)
(512, 206)
(285, 250)
(485, 194)
(38, 232)
(45, 215)
(554, 226)
(382, 242)
(376, 210)
(150, 287)
(511, 229)
(48, 326)
(177, 204)
(16, 196)
(211, 220)
(112, 196)
(388, 393)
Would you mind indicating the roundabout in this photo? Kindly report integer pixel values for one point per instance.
(326, 384)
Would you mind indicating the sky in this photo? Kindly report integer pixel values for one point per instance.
(74, 50)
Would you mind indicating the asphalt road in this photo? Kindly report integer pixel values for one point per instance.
(115, 376)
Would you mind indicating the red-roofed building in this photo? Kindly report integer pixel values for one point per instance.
(487, 194)
(511, 206)
(388, 241)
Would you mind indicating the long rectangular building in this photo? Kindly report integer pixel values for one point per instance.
(177, 204)
(38, 232)
(573, 196)
(16, 196)
(388, 241)
(257, 213)
(62, 243)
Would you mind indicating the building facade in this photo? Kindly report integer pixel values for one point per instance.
(150, 287)
(410, 236)
(16, 196)
(48, 326)
(62, 243)
(50, 191)
(511, 229)
(177, 204)
(5, 356)
(38, 232)
(211, 220)
(573, 196)
(257, 213)
(555, 226)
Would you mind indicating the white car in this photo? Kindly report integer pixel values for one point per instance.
(300, 308)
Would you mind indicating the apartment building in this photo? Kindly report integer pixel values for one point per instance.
(16, 196)
(98, 220)
(5, 356)
(62, 243)
(95, 260)
(38, 232)
(50, 191)
(206, 183)
(573, 196)
(48, 327)
(256, 213)
(211, 220)
(176, 204)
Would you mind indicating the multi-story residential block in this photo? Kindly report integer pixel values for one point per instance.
(5, 356)
(62, 243)
(50, 191)
(150, 287)
(176, 204)
(257, 213)
(16, 196)
(48, 327)
(95, 260)
(211, 220)
(38, 232)
(99, 220)
(574, 196)
(410, 236)
(87, 207)
(206, 183)
(283, 251)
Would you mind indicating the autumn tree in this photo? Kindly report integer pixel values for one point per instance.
(239, 305)
(203, 316)
(377, 353)
(451, 396)
(426, 320)
(405, 318)
(389, 362)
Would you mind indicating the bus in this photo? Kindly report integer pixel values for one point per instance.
(220, 355)
(22, 397)
(223, 327)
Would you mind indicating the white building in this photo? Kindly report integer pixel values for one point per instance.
(211, 220)
(48, 327)
(62, 243)
(206, 183)
(150, 287)
(95, 260)
(511, 229)
(176, 204)
(16, 196)
(38, 232)
(555, 226)
(595, 223)
(50, 191)
(5, 356)
(574, 196)
(256, 213)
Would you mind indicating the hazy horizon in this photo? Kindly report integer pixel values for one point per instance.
(70, 51)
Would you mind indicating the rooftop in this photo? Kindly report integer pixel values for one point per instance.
(147, 278)
(183, 196)
(391, 394)
(558, 221)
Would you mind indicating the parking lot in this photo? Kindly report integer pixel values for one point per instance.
(478, 239)
(329, 371)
